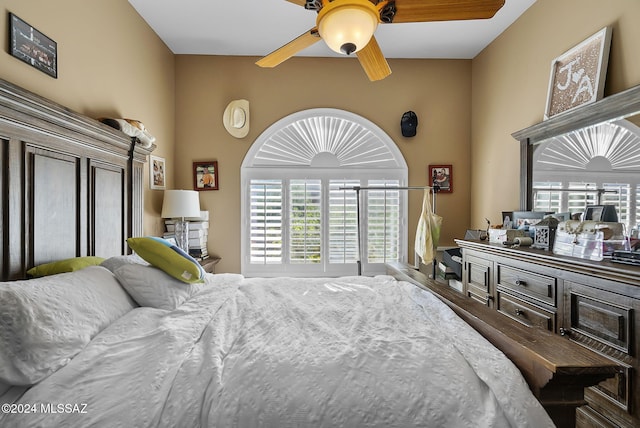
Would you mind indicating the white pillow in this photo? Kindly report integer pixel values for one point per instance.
(150, 286)
(113, 263)
(46, 321)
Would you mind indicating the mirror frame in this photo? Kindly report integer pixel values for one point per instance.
(613, 107)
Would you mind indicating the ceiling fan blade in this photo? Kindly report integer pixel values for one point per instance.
(373, 61)
(285, 52)
(298, 2)
(445, 10)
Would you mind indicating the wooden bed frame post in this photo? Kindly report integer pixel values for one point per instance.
(137, 158)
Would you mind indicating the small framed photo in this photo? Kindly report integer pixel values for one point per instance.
(205, 175)
(578, 76)
(31, 46)
(441, 177)
(157, 173)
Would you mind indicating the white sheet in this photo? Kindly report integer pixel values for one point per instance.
(348, 352)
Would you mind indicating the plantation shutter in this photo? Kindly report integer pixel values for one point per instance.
(547, 200)
(578, 200)
(305, 214)
(620, 198)
(343, 224)
(266, 221)
(383, 222)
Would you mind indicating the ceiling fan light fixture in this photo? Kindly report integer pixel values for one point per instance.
(347, 26)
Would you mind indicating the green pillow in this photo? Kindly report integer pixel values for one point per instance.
(61, 266)
(167, 257)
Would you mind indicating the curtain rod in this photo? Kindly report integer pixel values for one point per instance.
(551, 189)
(358, 224)
(386, 188)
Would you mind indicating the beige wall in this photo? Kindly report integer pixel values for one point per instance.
(438, 91)
(110, 63)
(510, 83)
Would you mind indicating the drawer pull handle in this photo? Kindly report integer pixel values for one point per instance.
(565, 331)
(521, 282)
(519, 312)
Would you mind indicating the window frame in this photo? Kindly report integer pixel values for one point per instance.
(323, 143)
(325, 267)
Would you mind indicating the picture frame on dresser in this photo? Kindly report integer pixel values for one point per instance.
(205, 175)
(578, 75)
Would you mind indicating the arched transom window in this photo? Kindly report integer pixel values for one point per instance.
(300, 214)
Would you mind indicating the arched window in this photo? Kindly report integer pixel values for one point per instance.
(299, 212)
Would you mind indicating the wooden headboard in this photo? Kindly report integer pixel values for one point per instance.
(71, 186)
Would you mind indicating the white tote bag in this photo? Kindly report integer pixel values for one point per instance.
(428, 231)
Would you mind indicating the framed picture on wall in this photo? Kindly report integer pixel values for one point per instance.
(578, 76)
(31, 46)
(205, 175)
(442, 176)
(157, 173)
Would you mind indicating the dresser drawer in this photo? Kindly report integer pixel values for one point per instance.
(527, 314)
(616, 389)
(587, 418)
(539, 287)
(604, 321)
(479, 296)
(478, 273)
(477, 279)
(600, 318)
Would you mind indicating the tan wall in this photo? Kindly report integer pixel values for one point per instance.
(438, 91)
(510, 83)
(110, 63)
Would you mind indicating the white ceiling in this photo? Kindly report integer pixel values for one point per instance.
(257, 27)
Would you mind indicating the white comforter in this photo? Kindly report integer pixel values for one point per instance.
(347, 352)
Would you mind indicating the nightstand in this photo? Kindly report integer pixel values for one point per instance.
(209, 265)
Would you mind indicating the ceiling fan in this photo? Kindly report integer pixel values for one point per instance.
(347, 26)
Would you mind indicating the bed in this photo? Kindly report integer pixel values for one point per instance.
(127, 343)
(251, 352)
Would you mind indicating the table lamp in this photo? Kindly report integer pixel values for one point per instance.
(178, 205)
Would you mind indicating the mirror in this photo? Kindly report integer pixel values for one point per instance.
(587, 156)
(592, 166)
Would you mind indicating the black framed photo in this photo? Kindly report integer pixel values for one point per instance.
(31, 46)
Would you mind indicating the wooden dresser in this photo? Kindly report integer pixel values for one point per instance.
(596, 304)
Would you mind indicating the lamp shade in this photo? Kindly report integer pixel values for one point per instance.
(347, 26)
(180, 204)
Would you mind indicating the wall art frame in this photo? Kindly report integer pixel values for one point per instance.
(205, 175)
(578, 75)
(32, 47)
(157, 173)
(442, 175)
